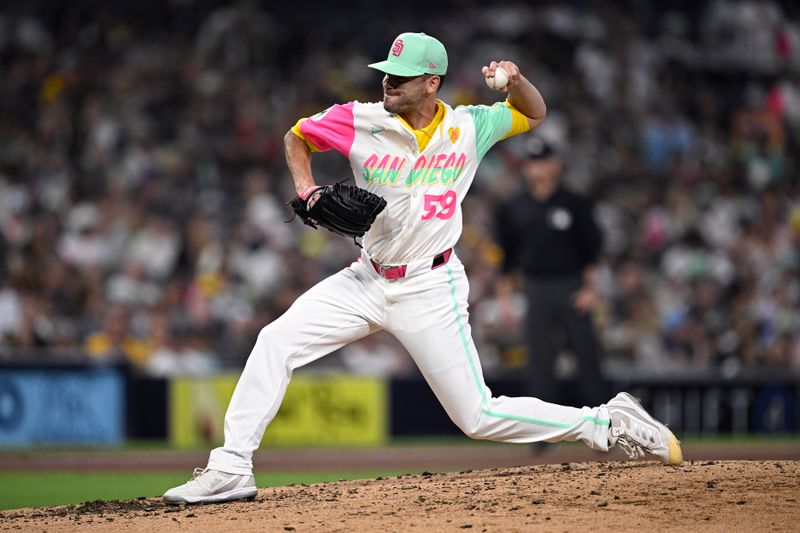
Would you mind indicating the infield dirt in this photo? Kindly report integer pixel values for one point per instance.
(619, 496)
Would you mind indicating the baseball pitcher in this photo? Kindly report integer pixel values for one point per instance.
(413, 158)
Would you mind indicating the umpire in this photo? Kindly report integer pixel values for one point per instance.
(548, 233)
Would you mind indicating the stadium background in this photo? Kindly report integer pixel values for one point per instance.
(142, 190)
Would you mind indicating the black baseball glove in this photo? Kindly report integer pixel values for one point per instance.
(340, 208)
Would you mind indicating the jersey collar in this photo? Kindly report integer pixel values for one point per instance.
(425, 134)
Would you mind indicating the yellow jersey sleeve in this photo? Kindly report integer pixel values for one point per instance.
(296, 131)
(519, 122)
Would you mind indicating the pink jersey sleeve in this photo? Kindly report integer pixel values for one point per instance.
(333, 129)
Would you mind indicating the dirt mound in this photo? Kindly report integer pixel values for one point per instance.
(714, 495)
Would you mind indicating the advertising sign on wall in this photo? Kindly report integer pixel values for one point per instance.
(61, 406)
(318, 410)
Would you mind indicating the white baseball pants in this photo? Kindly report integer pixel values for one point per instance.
(427, 312)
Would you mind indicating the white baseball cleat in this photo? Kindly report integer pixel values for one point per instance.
(636, 432)
(212, 486)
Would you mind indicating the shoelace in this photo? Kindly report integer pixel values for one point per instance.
(631, 449)
(198, 472)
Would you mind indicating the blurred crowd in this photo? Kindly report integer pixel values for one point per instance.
(143, 185)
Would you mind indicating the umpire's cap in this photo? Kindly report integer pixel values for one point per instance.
(537, 148)
(414, 54)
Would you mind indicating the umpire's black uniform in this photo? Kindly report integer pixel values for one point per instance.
(552, 237)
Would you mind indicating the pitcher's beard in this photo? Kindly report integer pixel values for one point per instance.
(395, 106)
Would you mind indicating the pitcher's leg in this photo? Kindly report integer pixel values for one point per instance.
(471, 406)
(335, 312)
(445, 353)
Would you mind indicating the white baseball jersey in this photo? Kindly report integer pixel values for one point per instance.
(424, 175)
(423, 188)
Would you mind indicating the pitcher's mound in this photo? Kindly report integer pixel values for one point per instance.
(612, 496)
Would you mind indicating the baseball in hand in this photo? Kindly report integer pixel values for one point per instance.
(499, 80)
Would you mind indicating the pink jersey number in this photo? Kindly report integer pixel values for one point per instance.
(441, 206)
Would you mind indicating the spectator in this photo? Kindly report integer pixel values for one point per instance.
(155, 247)
(113, 343)
(175, 353)
(141, 164)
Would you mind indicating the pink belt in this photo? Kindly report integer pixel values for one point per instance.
(399, 271)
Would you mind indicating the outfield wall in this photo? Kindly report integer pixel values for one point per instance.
(84, 405)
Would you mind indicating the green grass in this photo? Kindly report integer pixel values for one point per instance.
(401, 442)
(40, 489)
(37, 489)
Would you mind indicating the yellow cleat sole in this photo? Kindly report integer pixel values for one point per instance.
(675, 452)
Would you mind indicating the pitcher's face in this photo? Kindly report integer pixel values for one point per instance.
(404, 94)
